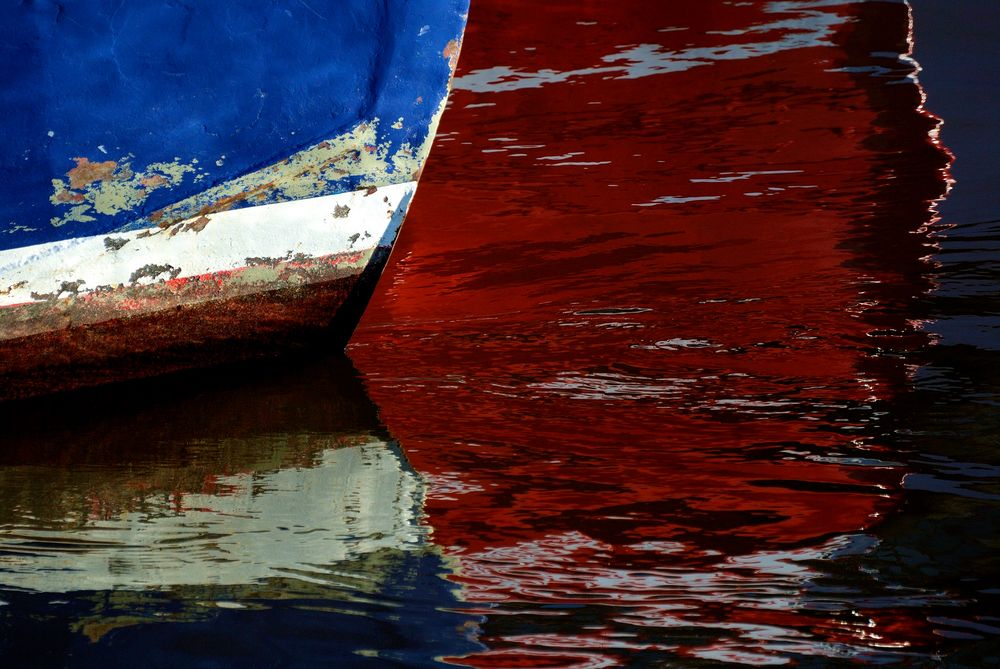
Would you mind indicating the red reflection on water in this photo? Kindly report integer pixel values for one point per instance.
(628, 330)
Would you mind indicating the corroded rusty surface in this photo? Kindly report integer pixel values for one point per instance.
(246, 327)
(145, 307)
(159, 288)
(86, 172)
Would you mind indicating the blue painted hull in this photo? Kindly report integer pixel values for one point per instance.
(195, 94)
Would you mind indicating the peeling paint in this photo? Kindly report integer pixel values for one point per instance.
(86, 172)
(198, 224)
(451, 51)
(110, 187)
(321, 169)
(9, 289)
(252, 250)
(154, 181)
(78, 214)
(153, 272)
(159, 288)
(64, 196)
(155, 199)
(115, 243)
(66, 289)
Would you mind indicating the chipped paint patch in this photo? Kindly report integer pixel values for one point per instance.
(113, 244)
(451, 51)
(355, 157)
(110, 187)
(86, 172)
(198, 224)
(156, 289)
(350, 160)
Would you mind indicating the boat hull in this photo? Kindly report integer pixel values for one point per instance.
(243, 187)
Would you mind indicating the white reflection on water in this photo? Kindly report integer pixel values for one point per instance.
(350, 502)
(811, 28)
(716, 592)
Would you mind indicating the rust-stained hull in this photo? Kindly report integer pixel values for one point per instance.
(187, 334)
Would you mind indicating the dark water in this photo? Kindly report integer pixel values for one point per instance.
(686, 357)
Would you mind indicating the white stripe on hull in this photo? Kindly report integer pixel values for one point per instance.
(218, 256)
(355, 222)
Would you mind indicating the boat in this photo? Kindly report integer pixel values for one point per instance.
(185, 184)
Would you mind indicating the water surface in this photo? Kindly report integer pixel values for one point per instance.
(664, 338)
(685, 357)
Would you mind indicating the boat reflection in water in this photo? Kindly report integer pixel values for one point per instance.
(277, 500)
(339, 504)
(668, 278)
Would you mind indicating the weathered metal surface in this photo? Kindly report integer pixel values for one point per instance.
(166, 155)
(254, 326)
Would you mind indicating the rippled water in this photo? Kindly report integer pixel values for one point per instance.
(685, 358)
